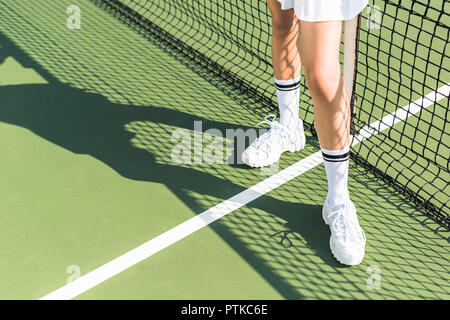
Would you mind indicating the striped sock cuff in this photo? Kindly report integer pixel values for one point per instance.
(287, 85)
(336, 155)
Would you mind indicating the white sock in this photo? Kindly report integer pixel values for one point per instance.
(288, 94)
(336, 167)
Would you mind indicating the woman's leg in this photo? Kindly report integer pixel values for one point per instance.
(320, 42)
(288, 134)
(285, 32)
(286, 62)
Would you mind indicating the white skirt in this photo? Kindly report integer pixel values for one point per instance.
(324, 10)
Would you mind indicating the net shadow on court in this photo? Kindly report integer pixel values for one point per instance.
(122, 113)
(402, 54)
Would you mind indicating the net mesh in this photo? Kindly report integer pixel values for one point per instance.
(402, 61)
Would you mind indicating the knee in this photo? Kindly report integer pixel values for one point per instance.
(323, 82)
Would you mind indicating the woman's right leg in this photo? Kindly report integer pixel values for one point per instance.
(285, 32)
(286, 61)
(286, 135)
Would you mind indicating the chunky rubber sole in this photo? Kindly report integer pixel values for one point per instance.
(344, 260)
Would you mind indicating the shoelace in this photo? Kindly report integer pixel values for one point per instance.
(342, 227)
(271, 135)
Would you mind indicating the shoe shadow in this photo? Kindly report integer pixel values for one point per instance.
(305, 223)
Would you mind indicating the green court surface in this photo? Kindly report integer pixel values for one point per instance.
(86, 120)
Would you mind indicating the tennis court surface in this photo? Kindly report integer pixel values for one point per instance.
(94, 204)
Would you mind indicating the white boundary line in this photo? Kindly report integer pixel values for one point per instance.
(196, 223)
(403, 113)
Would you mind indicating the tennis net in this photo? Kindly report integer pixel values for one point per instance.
(402, 59)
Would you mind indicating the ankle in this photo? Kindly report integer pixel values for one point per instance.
(337, 204)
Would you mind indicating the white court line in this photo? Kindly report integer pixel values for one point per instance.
(196, 223)
(403, 113)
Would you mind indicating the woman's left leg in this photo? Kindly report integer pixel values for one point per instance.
(320, 42)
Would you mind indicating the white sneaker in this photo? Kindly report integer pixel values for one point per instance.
(347, 239)
(267, 149)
